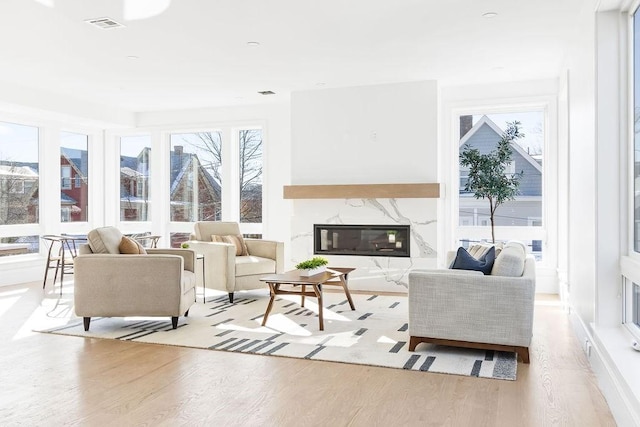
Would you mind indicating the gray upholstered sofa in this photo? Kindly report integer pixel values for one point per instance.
(470, 309)
(225, 270)
(110, 284)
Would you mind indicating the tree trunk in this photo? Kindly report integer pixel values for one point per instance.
(492, 209)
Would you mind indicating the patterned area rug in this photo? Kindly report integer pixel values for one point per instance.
(376, 333)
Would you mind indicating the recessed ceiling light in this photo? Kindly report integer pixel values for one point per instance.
(133, 57)
(489, 15)
(253, 44)
(266, 92)
(320, 84)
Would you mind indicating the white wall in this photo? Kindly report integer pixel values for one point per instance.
(381, 134)
(597, 205)
(582, 176)
(366, 134)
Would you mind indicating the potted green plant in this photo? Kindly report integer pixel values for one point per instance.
(488, 176)
(313, 266)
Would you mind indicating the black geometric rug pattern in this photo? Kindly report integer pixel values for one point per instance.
(376, 333)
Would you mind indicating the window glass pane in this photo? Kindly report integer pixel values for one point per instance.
(74, 173)
(19, 172)
(636, 131)
(194, 178)
(135, 160)
(19, 245)
(483, 132)
(178, 238)
(250, 147)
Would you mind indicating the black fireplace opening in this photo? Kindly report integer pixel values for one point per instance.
(363, 240)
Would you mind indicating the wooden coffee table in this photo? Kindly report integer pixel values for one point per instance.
(334, 276)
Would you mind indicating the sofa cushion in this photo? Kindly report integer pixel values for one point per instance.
(252, 265)
(477, 250)
(236, 240)
(205, 229)
(464, 261)
(130, 247)
(104, 240)
(510, 262)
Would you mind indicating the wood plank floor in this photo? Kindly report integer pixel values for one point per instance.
(50, 380)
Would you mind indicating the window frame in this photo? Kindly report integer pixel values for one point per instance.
(630, 264)
(160, 222)
(547, 104)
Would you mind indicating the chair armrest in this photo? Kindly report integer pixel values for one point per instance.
(188, 255)
(220, 263)
(267, 249)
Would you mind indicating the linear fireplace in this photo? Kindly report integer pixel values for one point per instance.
(363, 240)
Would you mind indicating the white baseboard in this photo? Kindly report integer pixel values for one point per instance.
(617, 377)
(25, 271)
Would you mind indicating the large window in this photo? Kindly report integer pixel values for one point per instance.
(74, 177)
(521, 218)
(250, 146)
(19, 184)
(135, 166)
(195, 176)
(19, 176)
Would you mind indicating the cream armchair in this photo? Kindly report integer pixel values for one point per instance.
(226, 271)
(110, 284)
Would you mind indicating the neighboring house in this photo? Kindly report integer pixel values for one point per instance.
(18, 189)
(188, 202)
(526, 209)
(191, 202)
(134, 187)
(74, 184)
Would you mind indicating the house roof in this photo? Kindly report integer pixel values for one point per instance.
(79, 159)
(484, 120)
(18, 171)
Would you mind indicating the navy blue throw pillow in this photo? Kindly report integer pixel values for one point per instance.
(464, 261)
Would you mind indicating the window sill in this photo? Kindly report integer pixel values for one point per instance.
(615, 345)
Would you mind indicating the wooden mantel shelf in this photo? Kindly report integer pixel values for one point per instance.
(362, 191)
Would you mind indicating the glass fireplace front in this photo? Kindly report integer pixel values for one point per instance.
(363, 240)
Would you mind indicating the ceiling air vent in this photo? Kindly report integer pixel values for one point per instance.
(266, 92)
(104, 23)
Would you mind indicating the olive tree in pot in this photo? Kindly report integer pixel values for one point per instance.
(488, 175)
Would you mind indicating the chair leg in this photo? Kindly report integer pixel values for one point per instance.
(186, 313)
(174, 322)
(231, 297)
(86, 321)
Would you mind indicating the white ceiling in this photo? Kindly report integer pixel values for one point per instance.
(195, 53)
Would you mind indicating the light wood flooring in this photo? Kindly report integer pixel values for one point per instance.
(51, 380)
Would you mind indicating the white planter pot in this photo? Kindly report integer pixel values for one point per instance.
(313, 271)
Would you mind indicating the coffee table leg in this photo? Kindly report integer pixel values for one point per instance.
(272, 292)
(343, 280)
(304, 289)
(318, 291)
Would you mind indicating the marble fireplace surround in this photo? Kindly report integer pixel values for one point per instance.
(373, 273)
